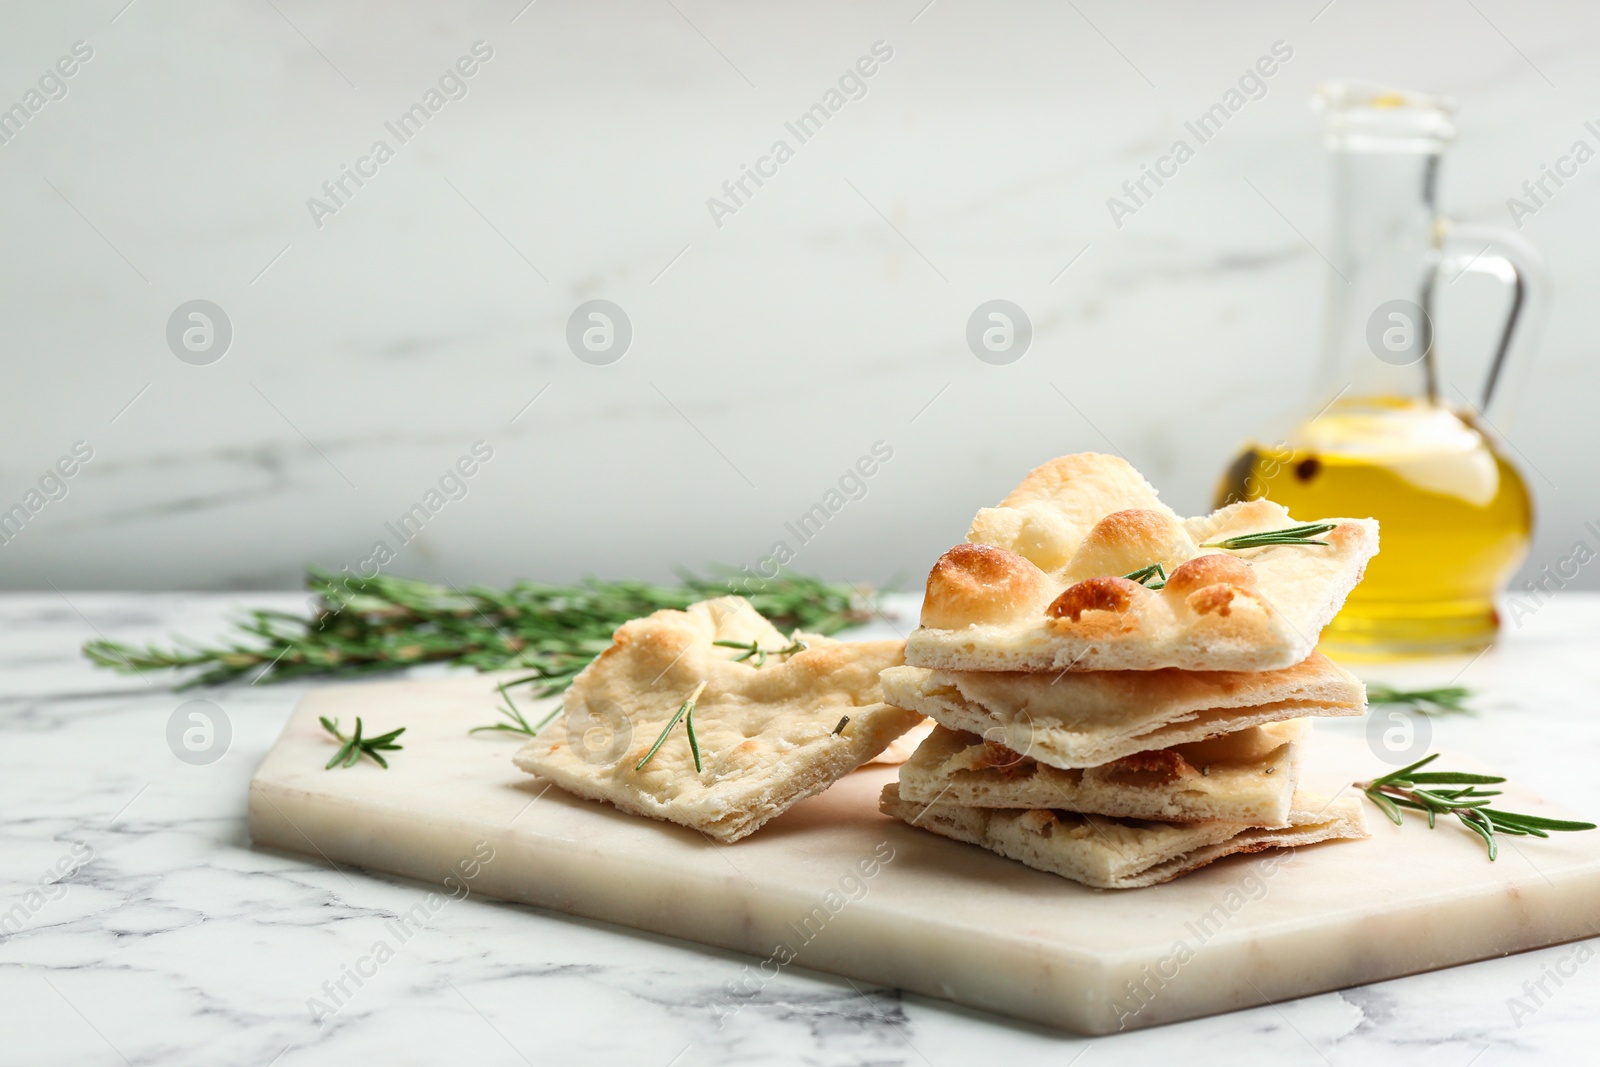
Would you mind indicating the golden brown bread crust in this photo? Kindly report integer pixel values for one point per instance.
(1212, 569)
(1345, 535)
(1039, 586)
(1096, 594)
(1128, 540)
(979, 583)
(1118, 477)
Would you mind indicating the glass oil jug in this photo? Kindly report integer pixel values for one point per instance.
(1395, 435)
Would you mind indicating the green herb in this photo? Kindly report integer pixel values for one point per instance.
(518, 724)
(1449, 699)
(1151, 577)
(837, 730)
(752, 649)
(687, 709)
(688, 726)
(366, 625)
(1290, 535)
(1406, 788)
(355, 746)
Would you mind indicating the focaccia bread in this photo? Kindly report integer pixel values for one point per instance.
(1122, 853)
(1041, 584)
(1083, 719)
(769, 732)
(1246, 777)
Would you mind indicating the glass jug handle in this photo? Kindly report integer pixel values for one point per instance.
(1478, 249)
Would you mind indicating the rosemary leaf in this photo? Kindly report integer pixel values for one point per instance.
(1536, 821)
(1454, 778)
(1388, 806)
(688, 725)
(687, 708)
(1445, 700)
(518, 724)
(1304, 534)
(1152, 577)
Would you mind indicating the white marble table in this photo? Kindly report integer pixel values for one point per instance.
(170, 940)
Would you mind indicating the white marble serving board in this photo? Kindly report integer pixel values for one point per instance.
(836, 886)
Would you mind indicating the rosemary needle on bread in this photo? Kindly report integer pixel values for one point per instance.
(1304, 534)
(686, 709)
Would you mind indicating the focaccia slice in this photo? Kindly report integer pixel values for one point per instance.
(1073, 719)
(1123, 853)
(1246, 777)
(769, 727)
(1042, 583)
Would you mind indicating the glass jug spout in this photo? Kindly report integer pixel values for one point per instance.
(1384, 146)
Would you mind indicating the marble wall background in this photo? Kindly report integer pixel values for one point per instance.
(769, 354)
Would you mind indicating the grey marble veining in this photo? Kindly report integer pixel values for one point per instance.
(175, 942)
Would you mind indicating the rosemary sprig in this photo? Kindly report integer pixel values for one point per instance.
(1446, 700)
(1304, 534)
(1406, 788)
(384, 623)
(686, 710)
(518, 724)
(1151, 577)
(355, 746)
(753, 649)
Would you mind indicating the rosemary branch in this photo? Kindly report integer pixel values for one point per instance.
(1406, 788)
(1304, 534)
(752, 649)
(355, 746)
(384, 623)
(518, 724)
(686, 709)
(1446, 700)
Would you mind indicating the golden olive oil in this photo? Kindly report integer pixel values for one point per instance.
(1454, 519)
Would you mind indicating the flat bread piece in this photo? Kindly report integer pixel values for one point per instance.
(768, 732)
(1246, 777)
(1041, 583)
(1123, 853)
(1072, 719)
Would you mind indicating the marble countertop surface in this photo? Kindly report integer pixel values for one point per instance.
(138, 925)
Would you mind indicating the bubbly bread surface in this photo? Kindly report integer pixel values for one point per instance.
(1072, 719)
(1246, 777)
(1041, 582)
(1107, 853)
(769, 735)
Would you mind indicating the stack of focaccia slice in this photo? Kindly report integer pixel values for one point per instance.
(1120, 700)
